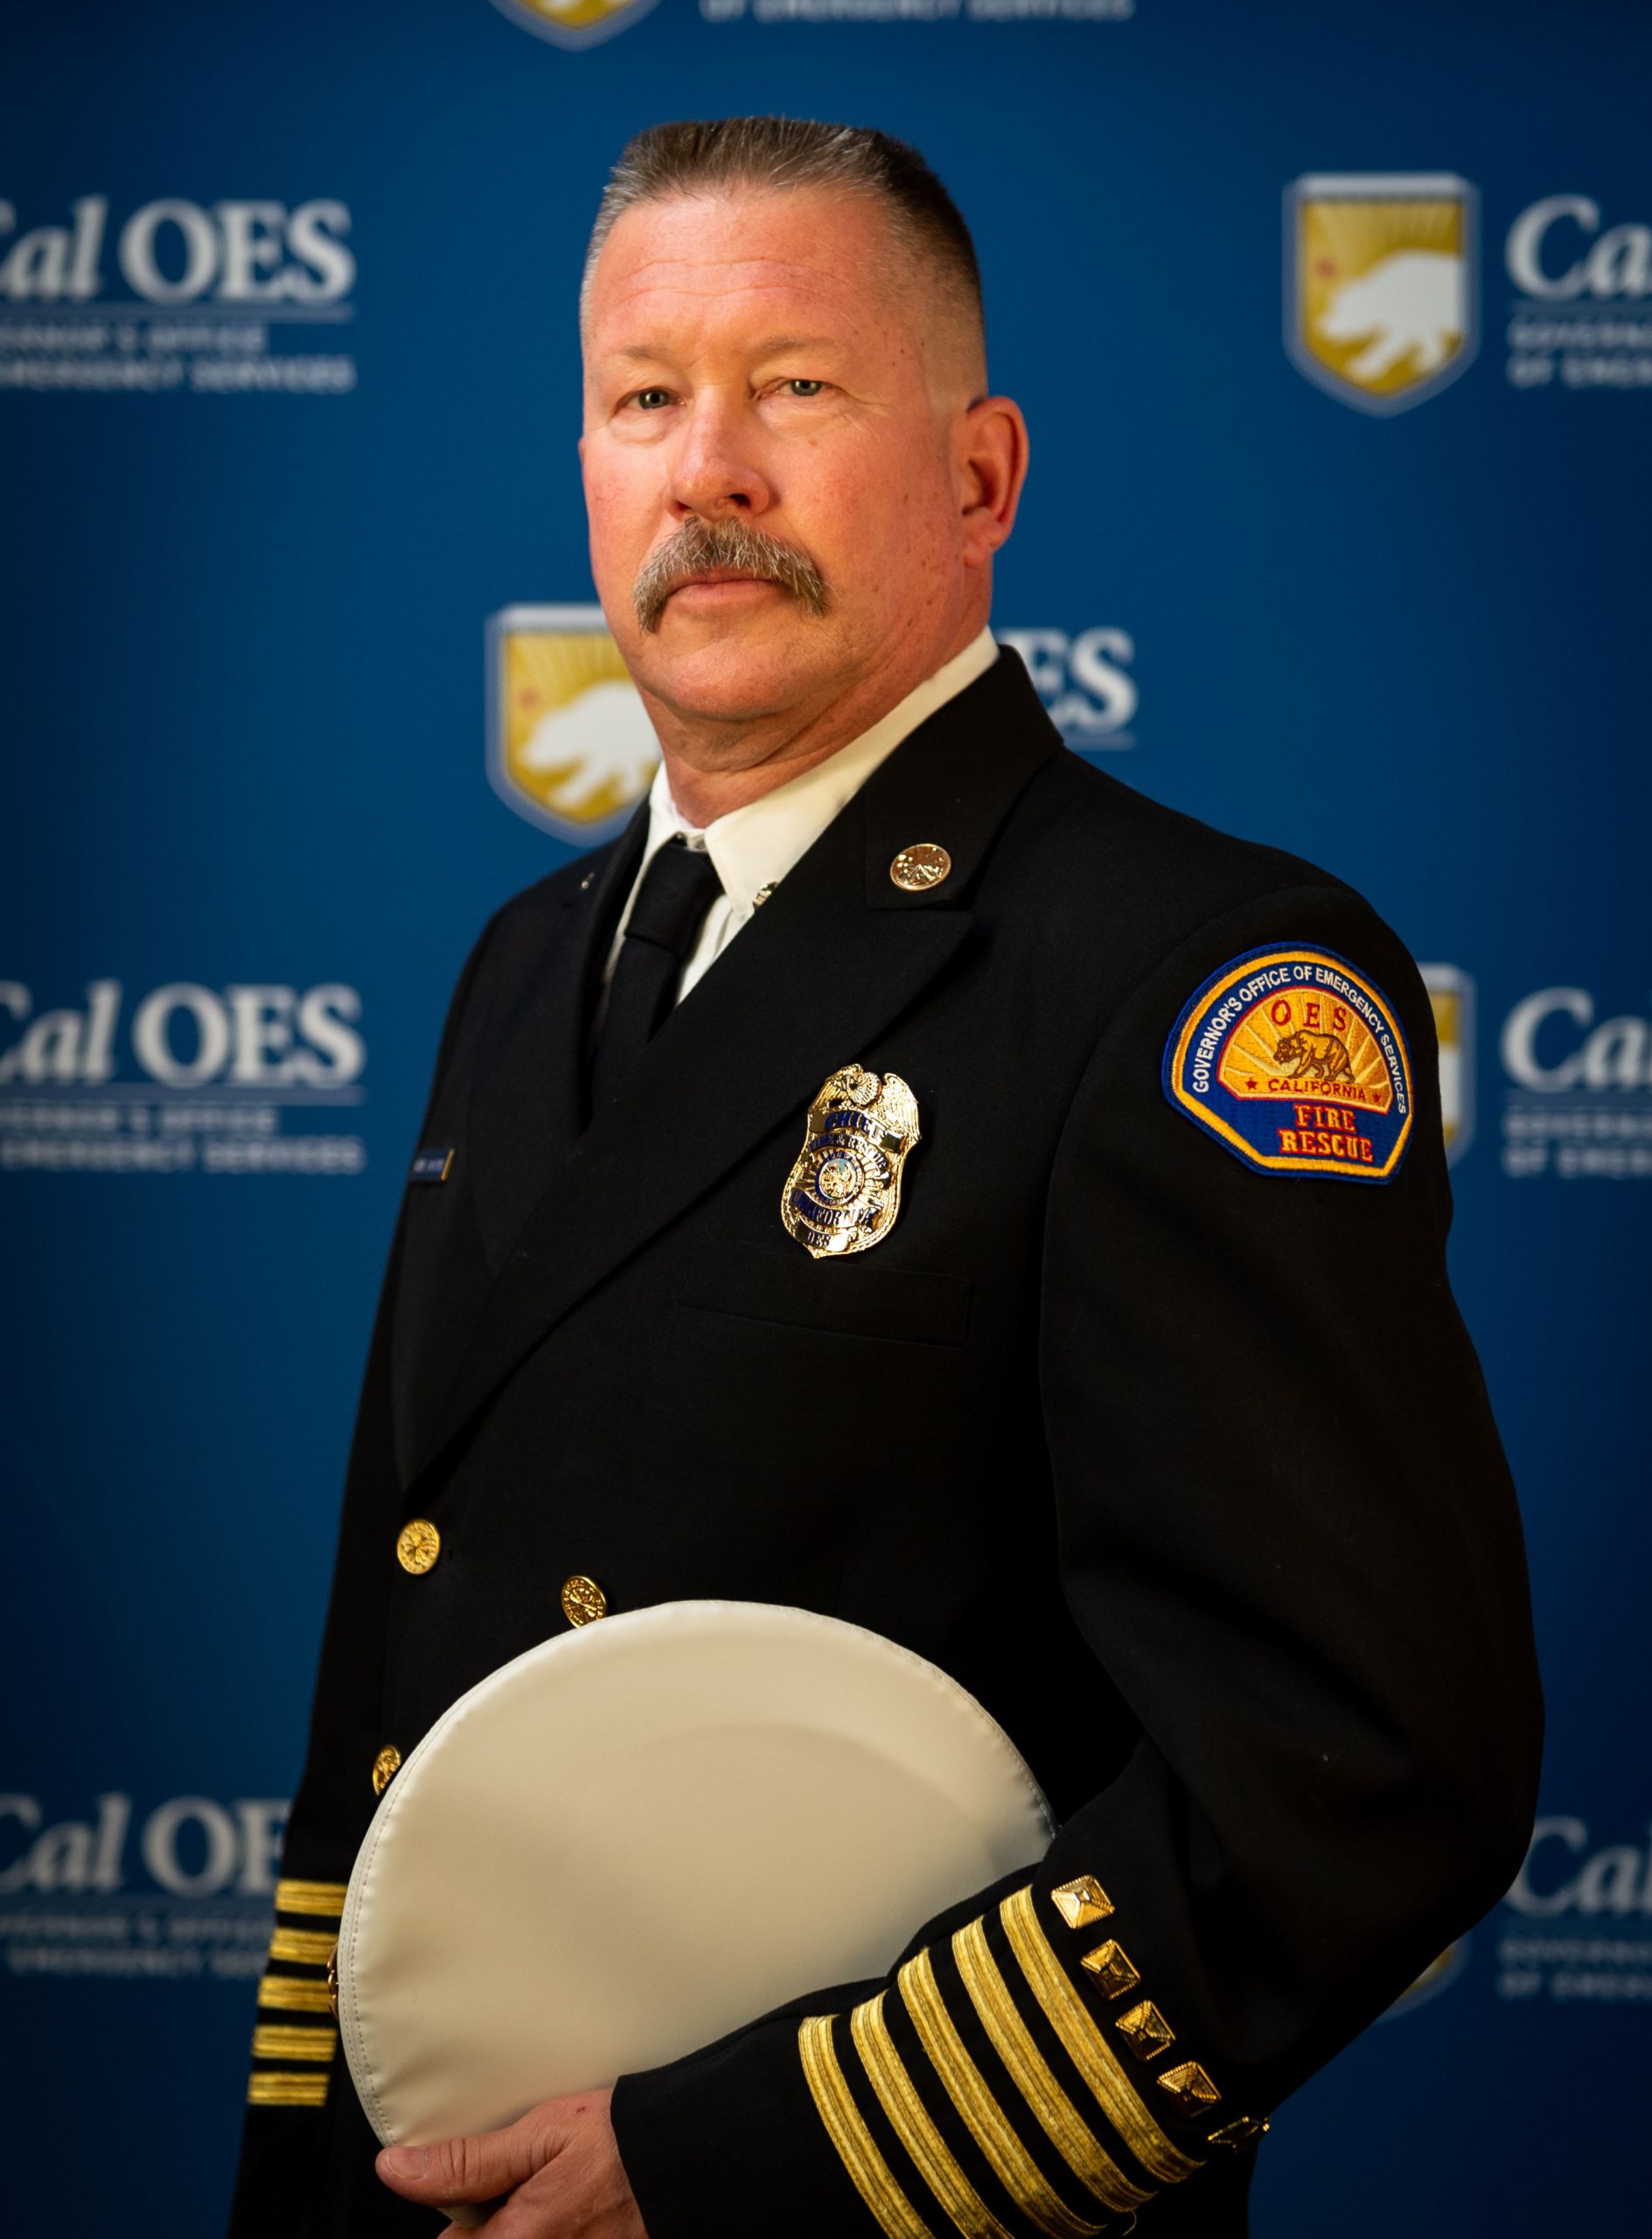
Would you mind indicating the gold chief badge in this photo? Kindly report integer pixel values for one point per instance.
(844, 1191)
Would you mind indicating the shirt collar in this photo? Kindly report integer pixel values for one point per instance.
(754, 847)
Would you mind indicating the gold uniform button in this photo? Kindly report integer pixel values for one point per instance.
(918, 868)
(418, 1546)
(1191, 2088)
(583, 1600)
(386, 1765)
(1145, 2031)
(1081, 1901)
(1111, 1966)
(1241, 2130)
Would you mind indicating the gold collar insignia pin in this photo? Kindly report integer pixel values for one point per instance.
(922, 866)
(844, 1191)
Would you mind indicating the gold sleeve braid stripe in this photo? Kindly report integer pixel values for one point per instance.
(1007, 2157)
(323, 1901)
(274, 2087)
(304, 1947)
(1033, 2078)
(927, 2150)
(856, 2147)
(276, 2041)
(1088, 2049)
(290, 1994)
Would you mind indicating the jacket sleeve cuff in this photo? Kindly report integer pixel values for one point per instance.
(725, 2144)
(1009, 2079)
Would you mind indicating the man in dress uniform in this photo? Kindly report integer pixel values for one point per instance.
(911, 1176)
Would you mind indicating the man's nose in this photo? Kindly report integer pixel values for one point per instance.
(714, 471)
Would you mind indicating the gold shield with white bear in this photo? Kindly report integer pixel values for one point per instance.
(570, 746)
(1380, 284)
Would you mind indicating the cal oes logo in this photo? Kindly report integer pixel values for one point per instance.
(1292, 1060)
(1380, 292)
(573, 23)
(570, 746)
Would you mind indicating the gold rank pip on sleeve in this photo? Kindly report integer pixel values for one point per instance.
(1059, 2104)
(295, 2037)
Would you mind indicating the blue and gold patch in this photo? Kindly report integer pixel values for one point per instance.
(1296, 1063)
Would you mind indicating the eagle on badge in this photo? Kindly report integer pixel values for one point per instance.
(844, 1189)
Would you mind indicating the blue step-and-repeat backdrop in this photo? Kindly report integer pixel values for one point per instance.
(1334, 325)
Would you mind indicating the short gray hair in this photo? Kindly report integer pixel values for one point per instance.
(780, 153)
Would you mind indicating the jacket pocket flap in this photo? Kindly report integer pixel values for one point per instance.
(846, 1295)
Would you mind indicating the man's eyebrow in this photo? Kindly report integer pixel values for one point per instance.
(773, 346)
(777, 345)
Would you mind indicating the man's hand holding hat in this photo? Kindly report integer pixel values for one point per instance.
(556, 2171)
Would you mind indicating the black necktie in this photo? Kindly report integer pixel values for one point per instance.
(677, 889)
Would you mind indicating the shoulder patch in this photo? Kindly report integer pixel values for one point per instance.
(1296, 1063)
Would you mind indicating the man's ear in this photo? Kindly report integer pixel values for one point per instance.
(991, 468)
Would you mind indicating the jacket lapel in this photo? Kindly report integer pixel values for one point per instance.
(527, 1111)
(514, 1125)
(836, 954)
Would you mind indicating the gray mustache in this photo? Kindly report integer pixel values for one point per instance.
(700, 545)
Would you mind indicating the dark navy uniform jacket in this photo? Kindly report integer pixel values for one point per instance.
(1184, 1468)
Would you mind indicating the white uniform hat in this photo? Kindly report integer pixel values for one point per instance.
(645, 1832)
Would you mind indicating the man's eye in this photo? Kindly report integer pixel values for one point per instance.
(803, 387)
(651, 399)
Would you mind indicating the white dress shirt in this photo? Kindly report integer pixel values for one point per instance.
(753, 848)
